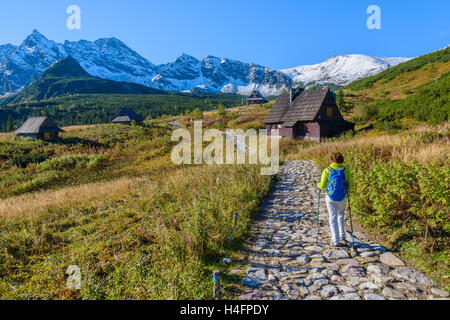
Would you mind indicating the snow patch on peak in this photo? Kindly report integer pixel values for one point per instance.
(342, 70)
(111, 59)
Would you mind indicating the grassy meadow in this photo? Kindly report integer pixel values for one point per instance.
(108, 199)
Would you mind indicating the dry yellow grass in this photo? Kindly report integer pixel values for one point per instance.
(89, 195)
(406, 146)
(244, 108)
(78, 128)
(5, 136)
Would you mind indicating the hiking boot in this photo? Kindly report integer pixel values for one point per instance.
(345, 243)
(339, 245)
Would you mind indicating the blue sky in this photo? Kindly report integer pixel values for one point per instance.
(278, 34)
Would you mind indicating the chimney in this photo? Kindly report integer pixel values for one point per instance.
(292, 95)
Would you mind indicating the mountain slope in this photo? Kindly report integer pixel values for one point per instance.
(67, 77)
(342, 70)
(214, 74)
(105, 58)
(28, 61)
(439, 56)
(418, 89)
(109, 58)
(5, 51)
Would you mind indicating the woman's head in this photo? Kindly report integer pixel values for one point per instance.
(337, 157)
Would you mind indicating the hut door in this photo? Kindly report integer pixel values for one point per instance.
(301, 129)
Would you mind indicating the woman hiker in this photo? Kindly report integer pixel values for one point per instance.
(336, 181)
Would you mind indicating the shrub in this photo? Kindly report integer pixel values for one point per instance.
(431, 103)
(390, 126)
(197, 114)
(221, 112)
(73, 161)
(41, 180)
(22, 161)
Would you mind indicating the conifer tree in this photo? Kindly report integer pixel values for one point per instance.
(9, 125)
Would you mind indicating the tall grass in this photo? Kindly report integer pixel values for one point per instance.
(87, 196)
(155, 242)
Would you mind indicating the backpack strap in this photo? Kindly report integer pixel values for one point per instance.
(329, 169)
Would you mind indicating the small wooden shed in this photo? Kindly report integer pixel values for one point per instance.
(309, 114)
(256, 98)
(126, 116)
(39, 128)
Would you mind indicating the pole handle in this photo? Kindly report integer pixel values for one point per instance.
(216, 290)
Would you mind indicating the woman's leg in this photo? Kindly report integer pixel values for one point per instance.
(341, 218)
(332, 217)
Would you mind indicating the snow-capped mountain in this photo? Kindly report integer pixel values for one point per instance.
(28, 61)
(342, 70)
(214, 74)
(5, 51)
(111, 59)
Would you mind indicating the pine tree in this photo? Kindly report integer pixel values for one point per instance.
(221, 112)
(197, 114)
(9, 125)
(340, 102)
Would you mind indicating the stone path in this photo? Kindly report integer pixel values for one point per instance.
(285, 261)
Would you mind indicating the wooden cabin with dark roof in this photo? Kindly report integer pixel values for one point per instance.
(256, 98)
(126, 116)
(310, 114)
(39, 128)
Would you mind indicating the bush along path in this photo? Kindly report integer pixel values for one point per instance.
(286, 259)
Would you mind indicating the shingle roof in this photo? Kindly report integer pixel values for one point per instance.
(38, 125)
(127, 115)
(279, 110)
(305, 107)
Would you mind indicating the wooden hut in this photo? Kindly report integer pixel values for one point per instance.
(126, 116)
(39, 128)
(256, 98)
(311, 114)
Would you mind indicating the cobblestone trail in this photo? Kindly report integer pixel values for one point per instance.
(285, 261)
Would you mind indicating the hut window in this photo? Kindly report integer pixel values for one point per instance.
(329, 112)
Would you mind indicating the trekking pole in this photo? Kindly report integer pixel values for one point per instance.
(318, 210)
(216, 290)
(351, 223)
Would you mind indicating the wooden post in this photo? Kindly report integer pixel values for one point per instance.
(216, 290)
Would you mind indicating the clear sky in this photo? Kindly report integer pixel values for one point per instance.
(277, 34)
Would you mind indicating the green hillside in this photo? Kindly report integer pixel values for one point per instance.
(440, 56)
(430, 103)
(418, 89)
